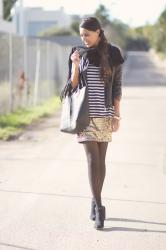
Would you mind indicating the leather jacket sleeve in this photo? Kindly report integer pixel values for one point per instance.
(117, 83)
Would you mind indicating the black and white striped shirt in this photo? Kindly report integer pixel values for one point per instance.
(96, 94)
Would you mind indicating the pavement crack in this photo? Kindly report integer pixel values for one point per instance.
(15, 246)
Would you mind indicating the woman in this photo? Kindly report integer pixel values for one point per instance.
(101, 63)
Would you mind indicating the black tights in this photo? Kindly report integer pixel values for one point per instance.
(96, 153)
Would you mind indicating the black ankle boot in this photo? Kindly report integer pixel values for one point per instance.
(93, 212)
(100, 217)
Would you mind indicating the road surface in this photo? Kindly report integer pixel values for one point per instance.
(44, 191)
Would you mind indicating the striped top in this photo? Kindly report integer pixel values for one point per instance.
(96, 94)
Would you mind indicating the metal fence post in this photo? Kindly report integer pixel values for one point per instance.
(10, 73)
(48, 68)
(26, 72)
(37, 72)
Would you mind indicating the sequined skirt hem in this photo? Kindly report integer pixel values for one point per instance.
(99, 130)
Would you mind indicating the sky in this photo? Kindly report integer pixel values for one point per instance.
(132, 12)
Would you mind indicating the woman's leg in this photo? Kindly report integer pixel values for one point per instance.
(93, 159)
(102, 154)
(96, 153)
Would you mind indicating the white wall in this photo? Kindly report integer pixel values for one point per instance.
(7, 27)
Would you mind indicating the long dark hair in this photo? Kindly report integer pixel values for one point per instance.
(92, 24)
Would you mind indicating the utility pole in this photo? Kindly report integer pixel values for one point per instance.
(21, 19)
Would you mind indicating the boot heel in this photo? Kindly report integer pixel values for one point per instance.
(100, 216)
(93, 212)
(104, 212)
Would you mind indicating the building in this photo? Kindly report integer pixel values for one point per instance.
(32, 21)
(65, 40)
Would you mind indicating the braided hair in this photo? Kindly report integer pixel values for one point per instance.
(92, 24)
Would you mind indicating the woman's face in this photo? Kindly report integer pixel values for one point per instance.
(90, 38)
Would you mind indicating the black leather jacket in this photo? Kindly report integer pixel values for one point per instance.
(113, 89)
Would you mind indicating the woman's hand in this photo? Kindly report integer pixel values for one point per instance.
(115, 124)
(75, 57)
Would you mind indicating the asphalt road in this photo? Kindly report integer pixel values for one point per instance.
(141, 71)
(44, 190)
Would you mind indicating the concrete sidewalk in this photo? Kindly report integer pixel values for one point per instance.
(45, 195)
(44, 191)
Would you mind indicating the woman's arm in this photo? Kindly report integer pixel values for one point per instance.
(75, 75)
(117, 83)
(117, 89)
(75, 69)
(117, 94)
(117, 107)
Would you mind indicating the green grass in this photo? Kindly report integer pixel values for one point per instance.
(162, 56)
(13, 123)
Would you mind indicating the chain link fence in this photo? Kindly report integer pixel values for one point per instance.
(31, 71)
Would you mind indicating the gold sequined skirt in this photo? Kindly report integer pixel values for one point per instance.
(99, 129)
